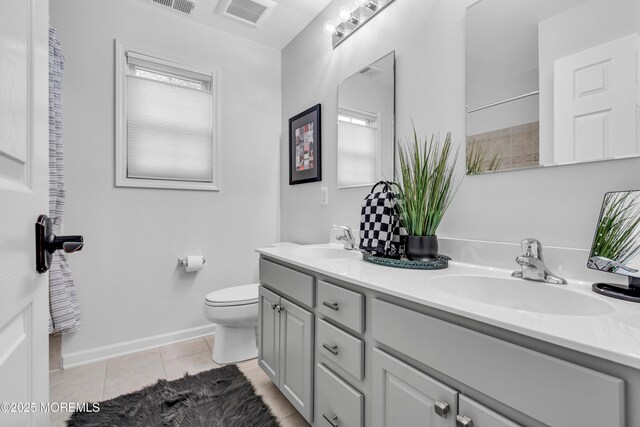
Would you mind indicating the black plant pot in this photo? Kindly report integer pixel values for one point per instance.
(421, 248)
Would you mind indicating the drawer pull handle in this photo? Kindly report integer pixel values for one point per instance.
(274, 306)
(280, 308)
(442, 409)
(333, 420)
(332, 305)
(333, 349)
(462, 421)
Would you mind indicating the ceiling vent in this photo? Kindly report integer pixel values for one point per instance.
(250, 12)
(370, 72)
(186, 7)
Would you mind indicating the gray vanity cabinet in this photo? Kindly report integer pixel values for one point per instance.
(535, 384)
(377, 360)
(285, 349)
(404, 396)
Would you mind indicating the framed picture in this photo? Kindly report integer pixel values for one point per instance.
(304, 147)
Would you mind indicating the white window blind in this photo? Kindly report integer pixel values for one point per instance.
(358, 159)
(169, 131)
(169, 122)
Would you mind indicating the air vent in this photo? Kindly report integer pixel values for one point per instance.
(250, 12)
(183, 6)
(371, 72)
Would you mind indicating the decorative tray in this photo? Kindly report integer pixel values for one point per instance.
(438, 263)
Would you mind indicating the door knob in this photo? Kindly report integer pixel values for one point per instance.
(47, 243)
(441, 408)
(462, 421)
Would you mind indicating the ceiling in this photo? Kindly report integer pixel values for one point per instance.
(284, 22)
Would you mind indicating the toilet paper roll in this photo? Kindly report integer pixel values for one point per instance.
(194, 263)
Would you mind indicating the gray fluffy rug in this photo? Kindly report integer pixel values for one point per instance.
(220, 397)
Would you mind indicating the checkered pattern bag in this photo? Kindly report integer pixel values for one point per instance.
(381, 232)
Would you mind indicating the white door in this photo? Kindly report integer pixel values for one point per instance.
(23, 196)
(595, 102)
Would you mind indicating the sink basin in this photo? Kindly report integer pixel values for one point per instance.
(325, 252)
(522, 295)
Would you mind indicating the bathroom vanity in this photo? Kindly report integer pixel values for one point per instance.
(355, 344)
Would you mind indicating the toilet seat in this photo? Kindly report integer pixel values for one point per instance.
(233, 296)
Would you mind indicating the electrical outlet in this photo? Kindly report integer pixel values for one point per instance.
(324, 196)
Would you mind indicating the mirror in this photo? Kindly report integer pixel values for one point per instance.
(366, 124)
(550, 82)
(616, 245)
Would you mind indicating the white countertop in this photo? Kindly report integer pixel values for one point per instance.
(613, 335)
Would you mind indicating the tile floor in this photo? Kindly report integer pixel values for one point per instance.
(112, 377)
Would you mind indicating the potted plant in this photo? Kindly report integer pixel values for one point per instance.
(425, 189)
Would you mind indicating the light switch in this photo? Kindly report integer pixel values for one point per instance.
(324, 196)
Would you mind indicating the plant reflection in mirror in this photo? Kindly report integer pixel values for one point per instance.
(476, 160)
(617, 236)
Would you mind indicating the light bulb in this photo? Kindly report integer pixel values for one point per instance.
(329, 28)
(344, 14)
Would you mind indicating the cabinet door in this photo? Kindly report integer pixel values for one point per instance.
(473, 413)
(404, 396)
(296, 357)
(268, 334)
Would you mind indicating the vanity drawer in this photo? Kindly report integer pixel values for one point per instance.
(294, 284)
(550, 390)
(338, 403)
(342, 305)
(341, 348)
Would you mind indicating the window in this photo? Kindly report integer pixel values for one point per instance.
(167, 121)
(358, 148)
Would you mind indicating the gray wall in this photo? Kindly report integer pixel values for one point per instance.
(558, 205)
(128, 282)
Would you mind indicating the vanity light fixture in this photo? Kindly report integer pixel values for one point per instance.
(349, 21)
(346, 16)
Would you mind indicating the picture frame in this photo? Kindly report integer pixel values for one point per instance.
(305, 160)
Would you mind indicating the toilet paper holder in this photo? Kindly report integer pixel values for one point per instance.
(182, 262)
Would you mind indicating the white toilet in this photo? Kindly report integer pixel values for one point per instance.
(235, 312)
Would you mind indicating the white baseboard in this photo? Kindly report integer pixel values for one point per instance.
(70, 360)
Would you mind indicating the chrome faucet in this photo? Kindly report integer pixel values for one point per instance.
(346, 237)
(532, 263)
